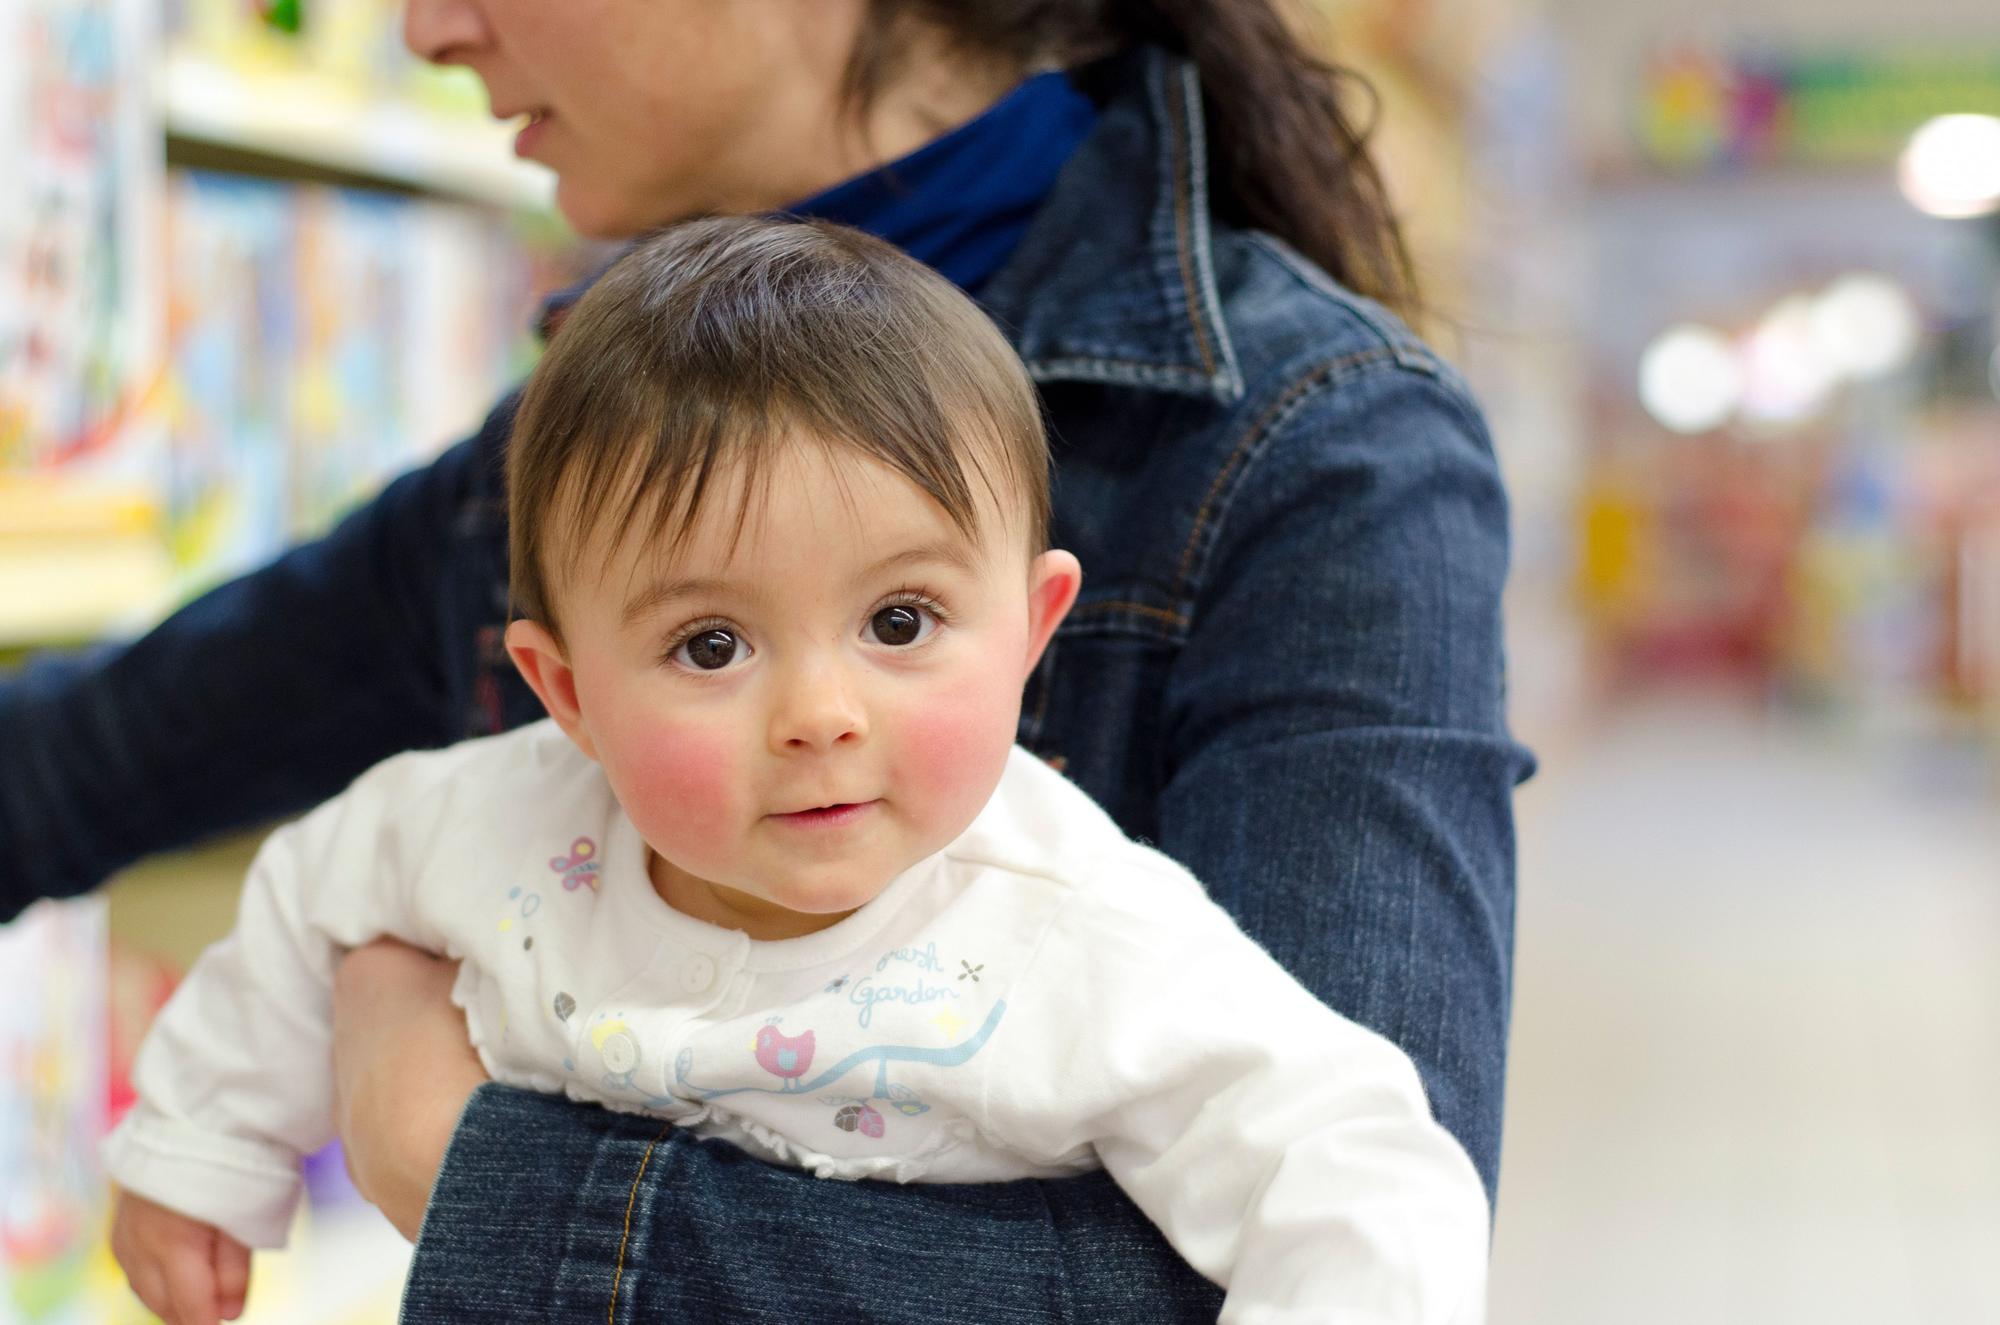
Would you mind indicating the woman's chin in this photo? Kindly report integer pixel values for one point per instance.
(595, 215)
(591, 215)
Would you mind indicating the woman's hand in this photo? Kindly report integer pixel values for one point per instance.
(186, 1272)
(403, 1069)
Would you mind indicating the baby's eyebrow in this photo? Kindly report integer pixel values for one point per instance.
(661, 592)
(942, 550)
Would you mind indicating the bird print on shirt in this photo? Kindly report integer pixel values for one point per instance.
(859, 1108)
(784, 1056)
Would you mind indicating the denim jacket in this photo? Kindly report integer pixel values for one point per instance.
(1284, 669)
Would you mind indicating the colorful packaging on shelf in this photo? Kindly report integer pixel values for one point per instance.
(321, 341)
(52, 1101)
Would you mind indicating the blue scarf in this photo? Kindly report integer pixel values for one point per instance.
(962, 202)
(959, 203)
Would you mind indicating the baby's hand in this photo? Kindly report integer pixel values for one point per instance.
(183, 1270)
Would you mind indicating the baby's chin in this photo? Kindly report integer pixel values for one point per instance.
(829, 896)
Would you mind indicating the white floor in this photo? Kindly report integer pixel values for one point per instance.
(1756, 1053)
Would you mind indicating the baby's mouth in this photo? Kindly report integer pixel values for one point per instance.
(841, 812)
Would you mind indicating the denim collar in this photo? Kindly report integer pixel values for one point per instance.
(1115, 279)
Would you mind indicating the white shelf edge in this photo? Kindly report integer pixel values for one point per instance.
(207, 102)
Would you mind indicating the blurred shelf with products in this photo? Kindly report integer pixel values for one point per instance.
(250, 275)
(246, 275)
(1793, 398)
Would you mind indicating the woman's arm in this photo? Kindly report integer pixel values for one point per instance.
(403, 1069)
(552, 1211)
(257, 700)
(1340, 775)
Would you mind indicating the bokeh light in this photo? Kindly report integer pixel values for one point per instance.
(1689, 379)
(1951, 167)
(1864, 325)
(1786, 375)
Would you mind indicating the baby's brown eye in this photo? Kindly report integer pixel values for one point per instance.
(898, 625)
(711, 650)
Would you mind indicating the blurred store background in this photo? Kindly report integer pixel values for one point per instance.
(1726, 275)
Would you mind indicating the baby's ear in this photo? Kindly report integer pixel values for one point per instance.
(538, 656)
(1053, 581)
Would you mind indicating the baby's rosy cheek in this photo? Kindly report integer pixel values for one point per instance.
(943, 741)
(680, 780)
(957, 744)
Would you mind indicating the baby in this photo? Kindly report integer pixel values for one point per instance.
(774, 869)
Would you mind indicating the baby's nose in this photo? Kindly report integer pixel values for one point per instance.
(819, 710)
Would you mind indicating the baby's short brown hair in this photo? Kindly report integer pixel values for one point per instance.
(714, 342)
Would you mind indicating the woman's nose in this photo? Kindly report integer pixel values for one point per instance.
(818, 709)
(442, 31)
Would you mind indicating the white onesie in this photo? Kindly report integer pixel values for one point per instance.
(1042, 997)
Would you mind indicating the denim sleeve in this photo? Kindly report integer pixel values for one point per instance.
(258, 699)
(552, 1211)
(1339, 772)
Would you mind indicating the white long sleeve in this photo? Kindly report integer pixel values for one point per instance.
(1286, 1152)
(235, 1079)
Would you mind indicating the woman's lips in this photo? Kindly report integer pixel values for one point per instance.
(531, 133)
(828, 816)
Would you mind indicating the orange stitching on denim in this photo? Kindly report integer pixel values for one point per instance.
(1172, 618)
(1183, 186)
(1255, 431)
(618, 1274)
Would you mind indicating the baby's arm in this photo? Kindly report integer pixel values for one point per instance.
(1286, 1152)
(235, 1077)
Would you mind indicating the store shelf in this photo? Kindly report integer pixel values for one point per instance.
(77, 563)
(82, 591)
(322, 125)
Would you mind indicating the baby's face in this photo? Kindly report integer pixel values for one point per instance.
(793, 721)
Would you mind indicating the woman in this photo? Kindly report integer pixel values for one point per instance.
(1285, 668)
